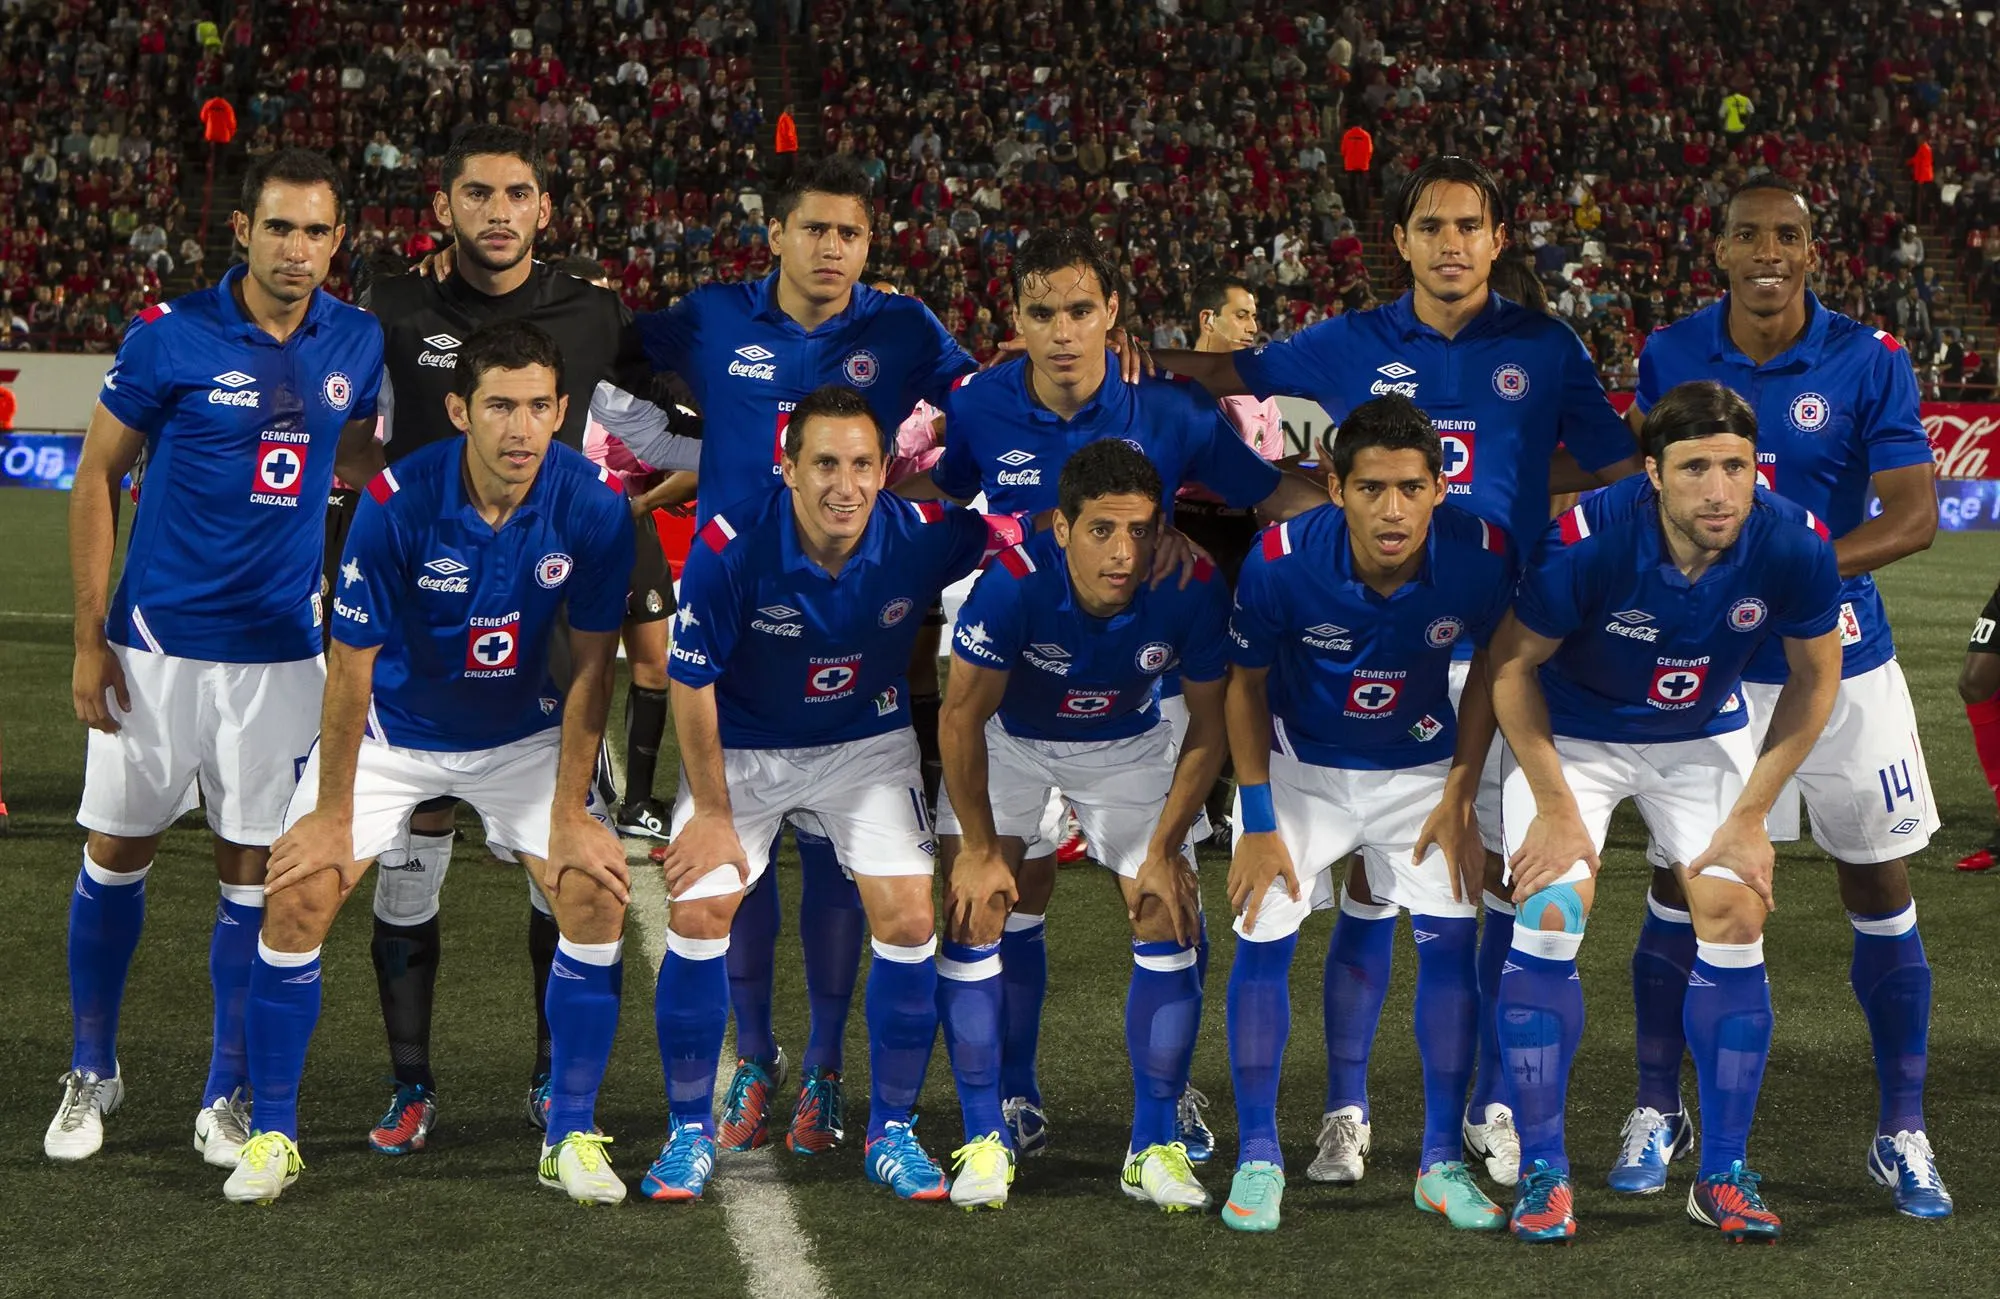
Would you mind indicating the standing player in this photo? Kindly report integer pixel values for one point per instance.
(1979, 687)
(435, 693)
(1055, 661)
(1345, 738)
(798, 613)
(1594, 715)
(1226, 321)
(204, 665)
(1505, 387)
(1836, 406)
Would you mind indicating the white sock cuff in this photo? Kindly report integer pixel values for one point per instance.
(696, 949)
(115, 879)
(602, 954)
(1661, 911)
(986, 967)
(1366, 910)
(538, 899)
(1170, 963)
(1547, 944)
(243, 895)
(1020, 922)
(1494, 902)
(284, 960)
(1886, 926)
(1730, 956)
(917, 955)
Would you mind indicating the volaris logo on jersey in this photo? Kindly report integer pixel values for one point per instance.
(754, 362)
(1809, 412)
(861, 368)
(1747, 614)
(831, 678)
(1396, 377)
(1510, 381)
(1443, 632)
(281, 469)
(493, 646)
(895, 611)
(1677, 683)
(1155, 656)
(338, 390)
(553, 570)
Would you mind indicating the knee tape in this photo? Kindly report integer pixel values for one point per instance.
(407, 888)
(1563, 899)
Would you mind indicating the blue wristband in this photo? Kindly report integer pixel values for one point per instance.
(1259, 817)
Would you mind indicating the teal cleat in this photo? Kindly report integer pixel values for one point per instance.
(1254, 1196)
(1448, 1188)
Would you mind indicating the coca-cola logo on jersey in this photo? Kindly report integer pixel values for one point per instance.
(1965, 438)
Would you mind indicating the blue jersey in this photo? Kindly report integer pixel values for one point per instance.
(1358, 679)
(1646, 656)
(1832, 411)
(1001, 441)
(1503, 394)
(748, 364)
(464, 614)
(226, 549)
(800, 657)
(1074, 676)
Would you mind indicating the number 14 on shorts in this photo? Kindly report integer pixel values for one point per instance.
(1896, 783)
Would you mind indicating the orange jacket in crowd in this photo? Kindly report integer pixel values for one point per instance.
(1357, 149)
(218, 121)
(788, 134)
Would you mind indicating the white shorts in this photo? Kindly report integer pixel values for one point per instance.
(1118, 788)
(1173, 711)
(239, 731)
(1486, 804)
(867, 794)
(1325, 813)
(1685, 790)
(511, 787)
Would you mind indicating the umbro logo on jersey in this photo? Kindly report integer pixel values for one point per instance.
(1396, 377)
(755, 353)
(235, 379)
(1014, 475)
(776, 620)
(1048, 650)
(754, 362)
(449, 576)
(444, 357)
(442, 342)
(445, 566)
(1049, 657)
(1394, 370)
(235, 390)
(780, 611)
(1632, 617)
(1328, 636)
(1015, 458)
(1631, 624)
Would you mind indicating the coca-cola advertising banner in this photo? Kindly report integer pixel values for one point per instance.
(1965, 438)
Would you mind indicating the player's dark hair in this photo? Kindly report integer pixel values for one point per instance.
(832, 401)
(1106, 467)
(1514, 279)
(1055, 248)
(1212, 294)
(488, 140)
(505, 345)
(1450, 169)
(584, 268)
(833, 174)
(1697, 409)
(1392, 422)
(292, 167)
(1768, 183)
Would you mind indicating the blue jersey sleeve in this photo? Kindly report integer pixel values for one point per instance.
(1813, 608)
(1303, 365)
(956, 472)
(602, 575)
(1650, 387)
(1480, 630)
(668, 338)
(372, 574)
(992, 623)
(1548, 601)
(1257, 621)
(1205, 642)
(942, 362)
(1893, 429)
(969, 540)
(709, 619)
(1591, 429)
(1220, 460)
(139, 388)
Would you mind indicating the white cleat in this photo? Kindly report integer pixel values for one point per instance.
(1495, 1143)
(223, 1129)
(579, 1168)
(1343, 1147)
(1163, 1175)
(77, 1131)
(269, 1163)
(982, 1170)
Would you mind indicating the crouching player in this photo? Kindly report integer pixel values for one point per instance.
(1056, 658)
(1344, 737)
(1616, 677)
(446, 693)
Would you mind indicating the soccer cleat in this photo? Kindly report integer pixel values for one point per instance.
(1978, 861)
(1905, 1163)
(746, 1107)
(77, 1131)
(1189, 1129)
(223, 1129)
(406, 1125)
(578, 1167)
(897, 1160)
(819, 1118)
(1254, 1196)
(1074, 847)
(1648, 1142)
(1729, 1202)
(269, 1163)
(1027, 1124)
(1164, 1175)
(541, 1093)
(981, 1172)
(643, 819)
(681, 1172)
(3, 818)
(1495, 1143)
(1343, 1147)
(1544, 1208)
(1448, 1188)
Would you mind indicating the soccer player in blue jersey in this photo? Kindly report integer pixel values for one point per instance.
(205, 663)
(1511, 393)
(1055, 661)
(789, 692)
(437, 690)
(1618, 676)
(1345, 738)
(1837, 417)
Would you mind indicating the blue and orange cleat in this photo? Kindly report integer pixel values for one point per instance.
(405, 1127)
(746, 1106)
(540, 1094)
(681, 1172)
(897, 1160)
(1544, 1207)
(1729, 1202)
(1905, 1164)
(817, 1121)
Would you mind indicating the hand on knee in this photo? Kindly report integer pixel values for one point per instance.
(587, 912)
(297, 919)
(1724, 911)
(1154, 923)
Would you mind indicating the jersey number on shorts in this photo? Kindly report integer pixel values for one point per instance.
(1896, 784)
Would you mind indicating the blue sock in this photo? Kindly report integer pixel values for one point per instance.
(1660, 966)
(1496, 936)
(1201, 949)
(1357, 981)
(902, 1025)
(1729, 1031)
(1892, 981)
(106, 913)
(831, 927)
(278, 1021)
(1024, 984)
(1540, 1025)
(1260, 1021)
(585, 982)
(1162, 1015)
(752, 959)
(232, 945)
(1446, 1013)
(690, 1012)
(968, 998)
